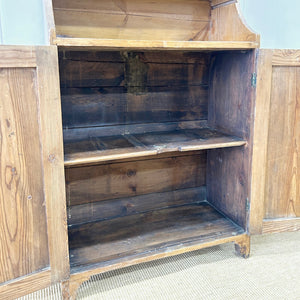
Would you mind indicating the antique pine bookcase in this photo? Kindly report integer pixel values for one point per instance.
(157, 101)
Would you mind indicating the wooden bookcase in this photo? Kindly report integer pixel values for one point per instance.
(157, 108)
(157, 113)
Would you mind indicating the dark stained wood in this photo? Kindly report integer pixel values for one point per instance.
(152, 232)
(107, 148)
(231, 110)
(105, 72)
(23, 226)
(84, 107)
(110, 209)
(118, 180)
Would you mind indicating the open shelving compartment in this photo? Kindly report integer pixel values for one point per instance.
(157, 151)
(158, 108)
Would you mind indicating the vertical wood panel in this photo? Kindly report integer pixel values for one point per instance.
(23, 232)
(53, 161)
(260, 139)
(231, 109)
(283, 162)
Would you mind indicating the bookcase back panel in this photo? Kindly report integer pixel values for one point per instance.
(89, 184)
(118, 88)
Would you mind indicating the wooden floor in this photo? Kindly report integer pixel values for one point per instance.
(106, 148)
(139, 235)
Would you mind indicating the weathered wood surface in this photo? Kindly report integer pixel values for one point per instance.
(33, 233)
(286, 58)
(153, 232)
(260, 139)
(53, 162)
(280, 225)
(23, 227)
(131, 19)
(118, 180)
(231, 109)
(282, 192)
(25, 285)
(108, 148)
(114, 88)
(228, 24)
(103, 210)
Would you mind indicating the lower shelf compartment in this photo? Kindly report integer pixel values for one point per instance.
(134, 237)
(105, 148)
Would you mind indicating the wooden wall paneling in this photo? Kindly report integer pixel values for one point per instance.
(260, 139)
(53, 160)
(283, 160)
(231, 109)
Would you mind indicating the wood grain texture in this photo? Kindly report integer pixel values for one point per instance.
(159, 231)
(113, 44)
(260, 139)
(49, 19)
(283, 160)
(231, 108)
(286, 58)
(53, 163)
(107, 148)
(18, 57)
(107, 106)
(118, 180)
(25, 285)
(131, 19)
(23, 231)
(281, 225)
(235, 29)
(103, 210)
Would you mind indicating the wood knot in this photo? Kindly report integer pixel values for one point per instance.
(51, 158)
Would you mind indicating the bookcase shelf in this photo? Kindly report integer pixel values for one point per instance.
(107, 148)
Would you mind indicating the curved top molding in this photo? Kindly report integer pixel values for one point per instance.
(228, 23)
(169, 24)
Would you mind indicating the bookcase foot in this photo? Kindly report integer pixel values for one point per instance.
(242, 247)
(70, 287)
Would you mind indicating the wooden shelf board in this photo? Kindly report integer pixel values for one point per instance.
(108, 148)
(155, 44)
(132, 239)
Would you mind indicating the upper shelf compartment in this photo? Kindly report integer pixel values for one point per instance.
(143, 24)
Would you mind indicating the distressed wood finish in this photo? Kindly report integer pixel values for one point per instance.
(117, 180)
(33, 217)
(23, 216)
(161, 20)
(231, 110)
(157, 231)
(103, 210)
(276, 148)
(235, 29)
(281, 225)
(53, 160)
(25, 285)
(108, 148)
(260, 139)
(77, 278)
(283, 159)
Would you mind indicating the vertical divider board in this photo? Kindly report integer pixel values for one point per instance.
(231, 109)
